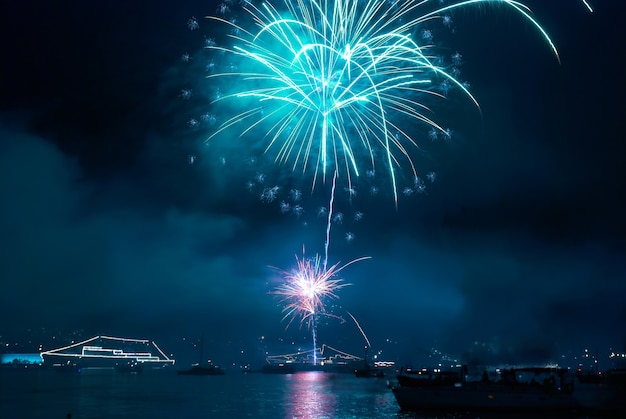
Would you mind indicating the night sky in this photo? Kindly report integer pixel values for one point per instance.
(117, 218)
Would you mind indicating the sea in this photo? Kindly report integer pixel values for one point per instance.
(43, 393)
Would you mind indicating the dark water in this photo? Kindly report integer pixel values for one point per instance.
(52, 394)
(39, 393)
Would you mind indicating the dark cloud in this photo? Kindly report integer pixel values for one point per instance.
(73, 247)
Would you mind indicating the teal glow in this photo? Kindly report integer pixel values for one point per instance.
(28, 358)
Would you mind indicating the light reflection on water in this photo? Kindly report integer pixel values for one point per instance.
(308, 395)
(318, 395)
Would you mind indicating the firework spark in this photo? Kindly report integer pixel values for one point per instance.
(331, 85)
(307, 286)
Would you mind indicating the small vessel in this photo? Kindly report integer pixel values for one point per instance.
(202, 369)
(368, 371)
(197, 369)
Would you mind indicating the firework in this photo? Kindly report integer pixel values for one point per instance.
(338, 85)
(307, 286)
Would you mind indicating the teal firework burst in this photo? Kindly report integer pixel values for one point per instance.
(327, 86)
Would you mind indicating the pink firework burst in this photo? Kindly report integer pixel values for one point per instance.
(307, 286)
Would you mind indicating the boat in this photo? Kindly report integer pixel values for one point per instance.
(542, 390)
(323, 359)
(108, 352)
(368, 371)
(202, 369)
(197, 369)
(428, 377)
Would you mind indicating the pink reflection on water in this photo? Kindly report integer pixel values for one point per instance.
(309, 396)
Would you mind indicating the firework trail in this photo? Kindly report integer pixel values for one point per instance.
(330, 220)
(360, 329)
(305, 287)
(337, 85)
(586, 3)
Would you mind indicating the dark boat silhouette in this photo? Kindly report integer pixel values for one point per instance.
(368, 371)
(528, 391)
(197, 369)
(548, 390)
(202, 369)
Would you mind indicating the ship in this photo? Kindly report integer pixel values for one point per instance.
(546, 390)
(528, 390)
(323, 359)
(108, 352)
(368, 370)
